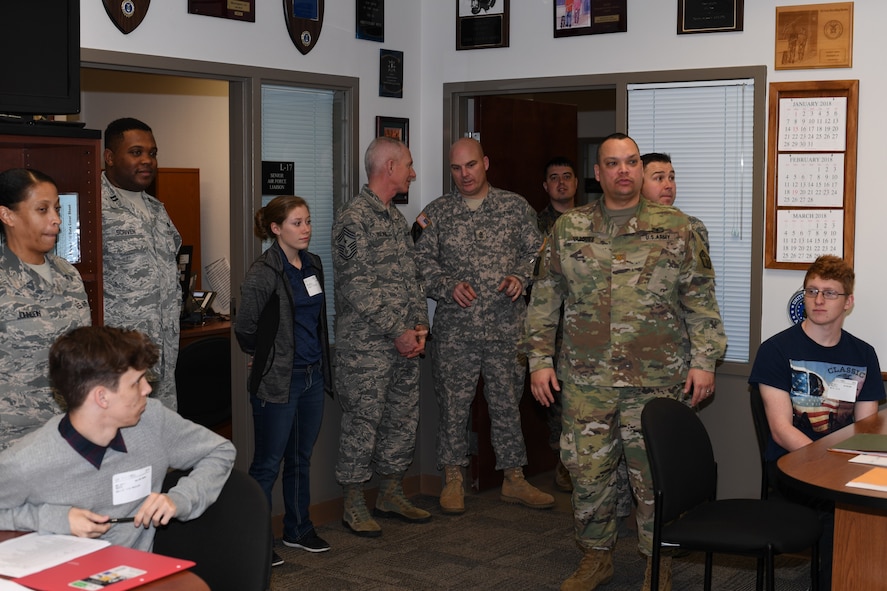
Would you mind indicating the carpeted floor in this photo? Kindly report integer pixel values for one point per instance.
(492, 546)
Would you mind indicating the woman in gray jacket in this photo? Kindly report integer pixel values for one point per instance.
(282, 323)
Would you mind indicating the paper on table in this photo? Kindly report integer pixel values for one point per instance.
(218, 274)
(874, 479)
(10, 586)
(32, 553)
(869, 459)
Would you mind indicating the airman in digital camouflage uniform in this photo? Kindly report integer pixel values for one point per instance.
(41, 298)
(633, 278)
(381, 326)
(476, 253)
(139, 249)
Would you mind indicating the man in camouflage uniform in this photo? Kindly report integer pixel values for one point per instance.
(140, 245)
(633, 278)
(659, 187)
(560, 184)
(381, 326)
(476, 252)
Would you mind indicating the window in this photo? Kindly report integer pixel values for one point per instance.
(707, 128)
(298, 127)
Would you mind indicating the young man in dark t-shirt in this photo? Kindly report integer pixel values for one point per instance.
(816, 378)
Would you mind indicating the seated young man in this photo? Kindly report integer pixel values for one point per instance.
(815, 377)
(106, 458)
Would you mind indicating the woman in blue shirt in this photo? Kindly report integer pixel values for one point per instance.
(282, 324)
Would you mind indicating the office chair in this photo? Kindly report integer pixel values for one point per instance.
(203, 381)
(687, 515)
(230, 542)
(762, 432)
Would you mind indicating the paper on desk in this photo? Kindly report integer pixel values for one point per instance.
(218, 275)
(33, 553)
(10, 586)
(869, 459)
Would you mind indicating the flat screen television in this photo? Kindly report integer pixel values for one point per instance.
(40, 63)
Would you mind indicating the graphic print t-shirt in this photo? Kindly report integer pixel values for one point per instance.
(820, 380)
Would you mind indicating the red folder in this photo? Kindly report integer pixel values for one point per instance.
(113, 568)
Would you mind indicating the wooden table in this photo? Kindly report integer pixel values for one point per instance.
(181, 581)
(860, 548)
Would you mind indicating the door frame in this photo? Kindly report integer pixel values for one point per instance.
(457, 99)
(245, 167)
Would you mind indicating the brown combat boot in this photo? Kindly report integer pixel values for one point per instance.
(562, 480)
(357, 517)
(596, 568)
(391, 502)
(664, 574)
(515, 489)
(452, 497)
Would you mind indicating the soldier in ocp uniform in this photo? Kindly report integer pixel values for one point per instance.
(41, 298)
(634, 279)
(381, 326)
(476, 253)
(140, 246)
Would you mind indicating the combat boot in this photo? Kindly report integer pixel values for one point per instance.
(391, 502)
(562, 479)
(357, 517)
(515, 489)
(596, 568)
(452, 497)
(664, 574)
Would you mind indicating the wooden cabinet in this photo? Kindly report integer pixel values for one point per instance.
(73, 158)
(179, 190)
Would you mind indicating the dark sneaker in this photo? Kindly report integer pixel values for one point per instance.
(276, 560)
(310, 542)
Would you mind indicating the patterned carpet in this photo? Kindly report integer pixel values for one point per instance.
(492, 546)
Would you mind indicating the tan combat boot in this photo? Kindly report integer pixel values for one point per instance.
(391, 502)
(562, 479)
(452, 497)
(515, 489)
(357, 517)
(664, 574)
(596, 568)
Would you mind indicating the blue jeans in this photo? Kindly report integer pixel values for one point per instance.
(286, 432)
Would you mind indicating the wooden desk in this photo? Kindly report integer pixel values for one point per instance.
(213, 326)
(181, 581)
(860, 547)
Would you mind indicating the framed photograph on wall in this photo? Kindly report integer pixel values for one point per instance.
(709, 16)
(399, 129)
(481, 24)
(396, 127)
(814, 36)
(589, 17)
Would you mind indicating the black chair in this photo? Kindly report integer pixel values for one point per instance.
(687, 516)
(230, 542)
(203, 381)
(762, 431)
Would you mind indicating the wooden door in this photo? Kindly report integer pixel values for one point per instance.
(519, 137)
(179, 190)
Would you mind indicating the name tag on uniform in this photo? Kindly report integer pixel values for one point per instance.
(312, 285)
(842, 389)
(131, 486)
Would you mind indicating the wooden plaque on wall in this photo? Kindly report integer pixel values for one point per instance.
(811, 172)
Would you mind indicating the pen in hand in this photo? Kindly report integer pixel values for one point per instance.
(121, 520)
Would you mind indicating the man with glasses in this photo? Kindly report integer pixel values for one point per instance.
(814, 377)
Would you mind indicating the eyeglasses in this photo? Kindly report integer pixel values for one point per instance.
(829, 294)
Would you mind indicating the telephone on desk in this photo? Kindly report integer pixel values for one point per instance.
(197, 306)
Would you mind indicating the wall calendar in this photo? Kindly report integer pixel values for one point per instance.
(811, 172)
